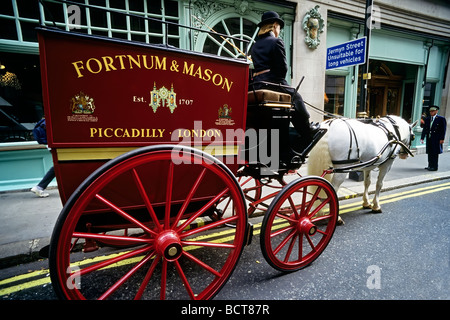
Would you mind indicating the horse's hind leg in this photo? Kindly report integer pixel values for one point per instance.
(366, 201)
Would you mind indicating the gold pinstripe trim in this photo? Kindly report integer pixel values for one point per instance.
(80, 154)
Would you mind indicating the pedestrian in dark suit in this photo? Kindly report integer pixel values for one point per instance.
(269, 60)
(434, 129)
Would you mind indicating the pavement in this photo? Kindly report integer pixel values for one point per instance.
(27, 221)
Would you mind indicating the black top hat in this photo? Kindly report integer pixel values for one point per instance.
(270, 16)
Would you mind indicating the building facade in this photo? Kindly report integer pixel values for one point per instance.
(407, 62)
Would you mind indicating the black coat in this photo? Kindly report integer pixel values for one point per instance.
(434, 134)
(269, 53)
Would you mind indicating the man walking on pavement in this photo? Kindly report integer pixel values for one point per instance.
(434, 130)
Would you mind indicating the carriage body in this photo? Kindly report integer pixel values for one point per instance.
(106, 97)
(146, 141)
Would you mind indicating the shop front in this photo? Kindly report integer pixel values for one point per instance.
(406, 74)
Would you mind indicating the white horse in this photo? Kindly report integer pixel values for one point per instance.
(361, 145)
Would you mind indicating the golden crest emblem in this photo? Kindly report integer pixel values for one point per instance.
(82, 104)
(163, 96)
(224, 113)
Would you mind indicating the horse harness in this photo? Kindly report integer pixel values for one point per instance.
(393, 138)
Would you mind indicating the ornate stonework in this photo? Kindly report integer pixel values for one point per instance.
(313, 24)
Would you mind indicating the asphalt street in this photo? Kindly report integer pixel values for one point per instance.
(26, 221)
(401, 254)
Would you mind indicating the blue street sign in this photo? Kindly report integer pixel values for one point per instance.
(347, 54)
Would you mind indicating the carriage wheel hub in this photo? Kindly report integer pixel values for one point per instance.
(168, 245)
(306, 226)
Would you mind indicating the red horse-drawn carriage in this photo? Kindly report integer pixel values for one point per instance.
(152, 159)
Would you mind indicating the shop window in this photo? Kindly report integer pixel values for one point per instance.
(28, 9)
(428, 98)
(97, 21)
(428, 95)
(334, 94)
(18, 19)
(29, 31)
(408, 102)
(117, 4)
(20, 96)
(8, 29)
(6, 8)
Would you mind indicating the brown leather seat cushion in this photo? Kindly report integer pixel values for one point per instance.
(262, 95)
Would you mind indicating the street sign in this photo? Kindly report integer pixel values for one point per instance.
(347, 54)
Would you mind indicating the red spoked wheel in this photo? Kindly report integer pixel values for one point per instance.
(299, 223)
(252, 189)
(157, 194)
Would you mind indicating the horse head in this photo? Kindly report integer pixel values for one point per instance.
(405, 134)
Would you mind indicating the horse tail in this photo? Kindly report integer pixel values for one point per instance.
(319, 158)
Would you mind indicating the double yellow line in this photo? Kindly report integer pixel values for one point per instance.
(417, 192)
(43, 276)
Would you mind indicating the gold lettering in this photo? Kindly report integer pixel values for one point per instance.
(99, 65)
(156, 63)
(78, 68)
(219, 82)
(136, 62)
(198, 73)
(160, 64)
(126, 134)
(121, 56)
(108, 62)
(135, 133)
(106, 134)
(93, 132)
(227, 84)
(188, 70)
(129, 133)
(207, 76)
(196, 133)
(116, 134)
(144, 57)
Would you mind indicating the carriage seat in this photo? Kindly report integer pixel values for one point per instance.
(268, 97)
